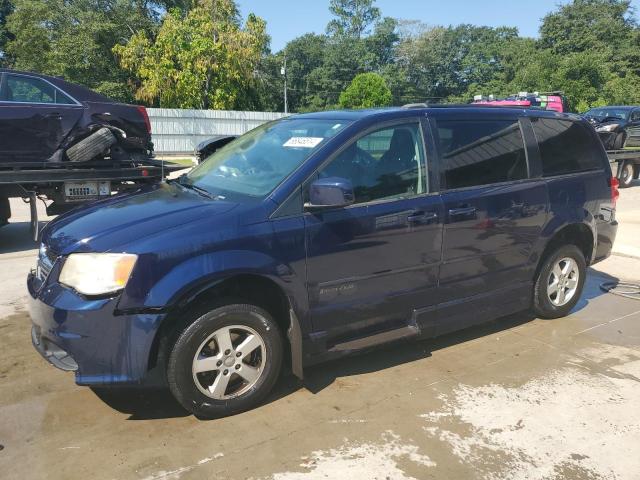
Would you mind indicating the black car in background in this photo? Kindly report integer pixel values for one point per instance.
(618, 127)
(46, 119)
(67, 145)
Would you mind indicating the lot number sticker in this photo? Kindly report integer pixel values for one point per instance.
(303, 142)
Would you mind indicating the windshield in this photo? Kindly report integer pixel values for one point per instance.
(258, 161)
(602, 113)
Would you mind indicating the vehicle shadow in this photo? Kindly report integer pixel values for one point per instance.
(320, 377)
(157, 403)
(141, 403)
(16, 237)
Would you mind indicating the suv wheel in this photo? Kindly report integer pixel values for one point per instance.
(226, 361)
(560, 282)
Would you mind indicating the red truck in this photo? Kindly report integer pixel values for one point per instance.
(553, 101)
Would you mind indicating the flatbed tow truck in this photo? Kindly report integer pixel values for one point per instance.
(69, 185)
(625, 164)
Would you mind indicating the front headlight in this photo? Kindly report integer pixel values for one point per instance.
(97, 273)
(607, 128)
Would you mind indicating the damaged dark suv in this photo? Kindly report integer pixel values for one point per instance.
(68, 144)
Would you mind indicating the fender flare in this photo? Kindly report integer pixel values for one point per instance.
(208, 270)
(552, 228)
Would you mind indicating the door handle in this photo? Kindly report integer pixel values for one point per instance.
(422, 217)
(462, 211)
(53, 115)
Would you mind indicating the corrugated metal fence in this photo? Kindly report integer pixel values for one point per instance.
(176, 131)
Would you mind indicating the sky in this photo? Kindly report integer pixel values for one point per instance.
(288, 19)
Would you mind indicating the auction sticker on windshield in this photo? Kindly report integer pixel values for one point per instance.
(303, 142)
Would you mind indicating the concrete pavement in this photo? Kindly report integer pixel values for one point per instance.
(519, 398)
(628, 214)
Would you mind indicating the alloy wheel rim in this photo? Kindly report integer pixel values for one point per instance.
(563, 282)
(229, 362)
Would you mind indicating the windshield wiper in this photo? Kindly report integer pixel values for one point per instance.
(195, 188)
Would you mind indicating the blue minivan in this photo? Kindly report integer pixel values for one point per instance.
(320, 235)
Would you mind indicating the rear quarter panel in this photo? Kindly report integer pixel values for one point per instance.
(578, 198)
(122, 116)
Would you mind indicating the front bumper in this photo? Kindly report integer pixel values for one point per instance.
(51, 352)
(89, 337)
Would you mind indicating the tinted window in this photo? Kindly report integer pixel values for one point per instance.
(481, 152)
(387, 163)
(32, 90)
(565, 146)
(635, 116)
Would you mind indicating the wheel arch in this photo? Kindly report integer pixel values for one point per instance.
(578, 234)
(246, 287)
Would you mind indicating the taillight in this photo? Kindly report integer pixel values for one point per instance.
(614, 183)
(145, 116)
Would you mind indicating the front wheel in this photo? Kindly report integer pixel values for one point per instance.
(226, 361)
(559, 282)
(618, 143)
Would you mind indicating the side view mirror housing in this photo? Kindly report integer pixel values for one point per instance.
(332, 192)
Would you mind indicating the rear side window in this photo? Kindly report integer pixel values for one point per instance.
(24, 89)
(565, 147)
(481, 152)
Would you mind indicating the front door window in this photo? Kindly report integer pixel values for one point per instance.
(385, 164)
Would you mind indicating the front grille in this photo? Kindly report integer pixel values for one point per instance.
(46, 261)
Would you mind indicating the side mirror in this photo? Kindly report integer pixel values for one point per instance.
(332, 192)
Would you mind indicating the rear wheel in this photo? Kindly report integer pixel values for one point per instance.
(226, 361)
(626, 175)
(559, 282)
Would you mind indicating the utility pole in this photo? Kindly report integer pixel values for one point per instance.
(283, 72)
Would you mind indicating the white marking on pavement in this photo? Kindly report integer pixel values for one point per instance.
(569, 421)
(177, 473)
(360, 460)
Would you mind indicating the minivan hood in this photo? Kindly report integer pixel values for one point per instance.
(108, 224)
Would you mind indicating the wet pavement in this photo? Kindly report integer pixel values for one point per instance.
(518, 398)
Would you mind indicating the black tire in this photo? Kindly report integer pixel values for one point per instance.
(5, 211)
(542, 304)
(618, 143)
(626, 175)
(180, 375)
(91, 147)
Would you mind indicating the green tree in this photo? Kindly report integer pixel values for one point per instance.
(582, 25)
(358, 41)
(75, 39)
(203, 59)
(367, 90)
(353, 17)
(448, 62)
(304, 55)
(6, 7)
